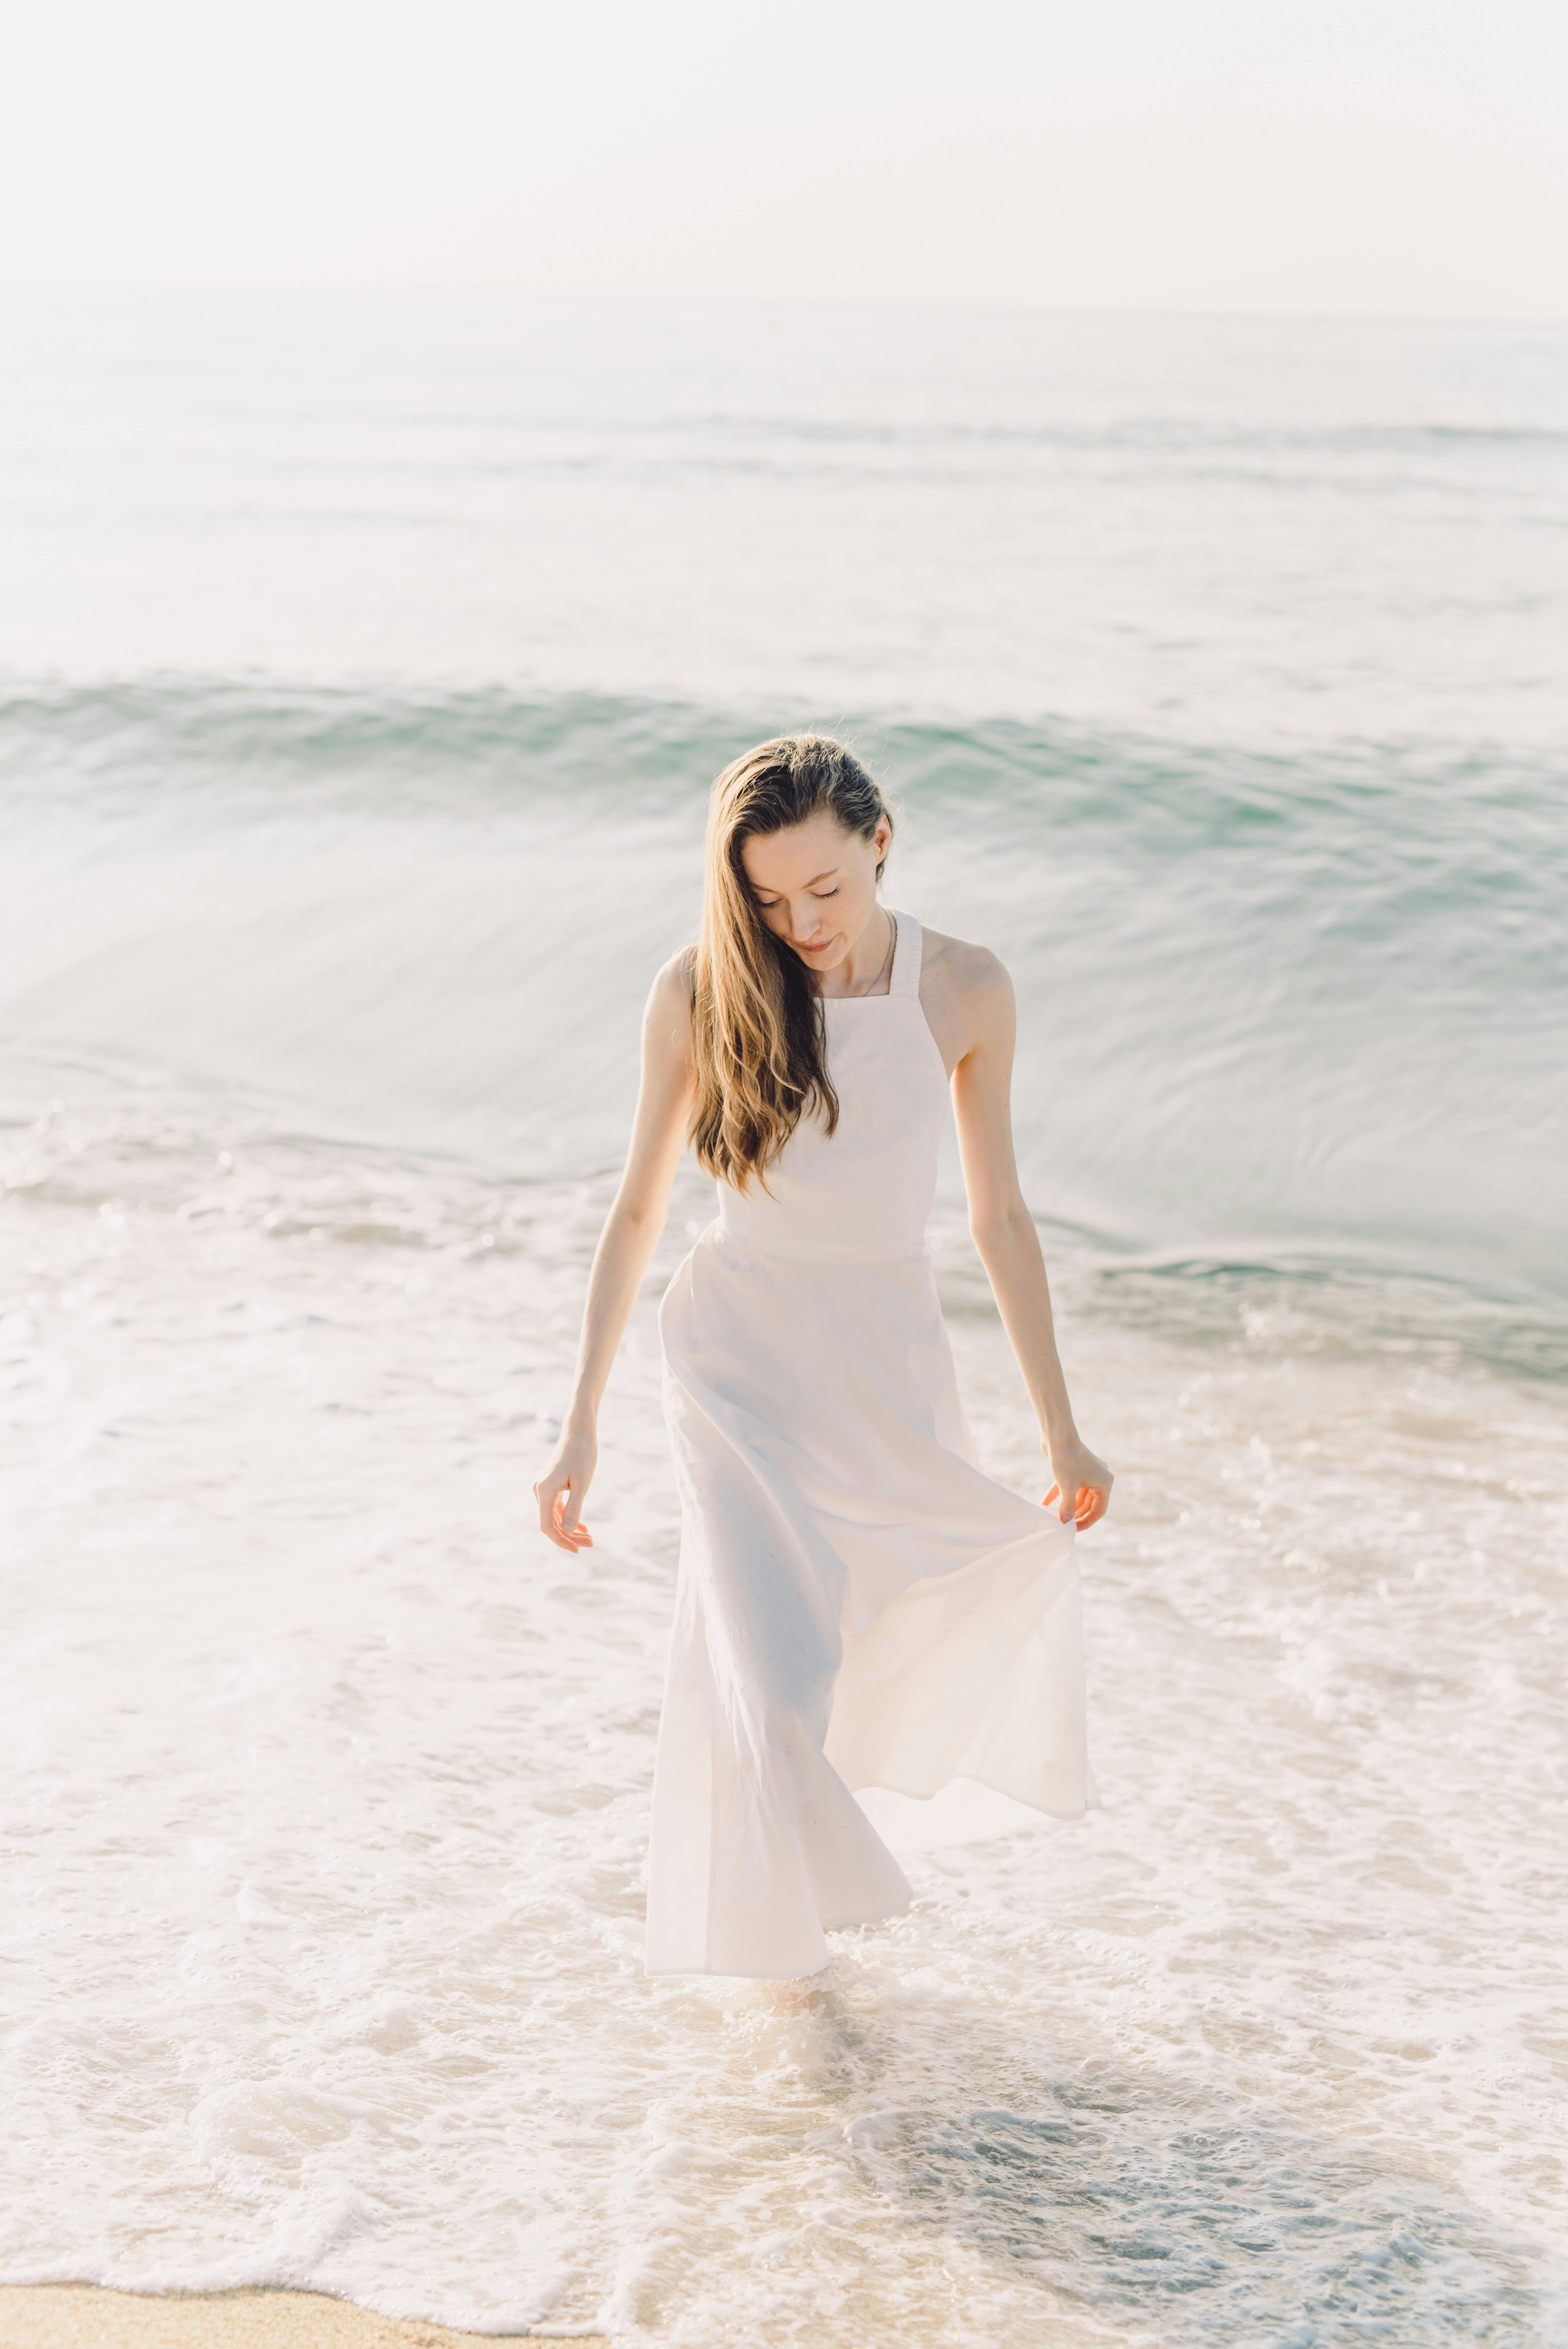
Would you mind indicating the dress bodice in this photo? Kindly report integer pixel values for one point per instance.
(867, 1189)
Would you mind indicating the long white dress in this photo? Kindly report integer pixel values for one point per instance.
(874, 1642)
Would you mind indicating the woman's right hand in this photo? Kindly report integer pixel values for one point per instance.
(559, 1491)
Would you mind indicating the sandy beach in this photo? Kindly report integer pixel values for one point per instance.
(84, 2316)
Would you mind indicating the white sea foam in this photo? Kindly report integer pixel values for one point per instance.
(327, 1797)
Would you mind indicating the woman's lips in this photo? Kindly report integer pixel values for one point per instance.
(821, 947)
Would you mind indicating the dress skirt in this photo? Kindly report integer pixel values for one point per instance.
(875, 1643)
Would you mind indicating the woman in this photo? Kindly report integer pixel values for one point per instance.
(870, 1632)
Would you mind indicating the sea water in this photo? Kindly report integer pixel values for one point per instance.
(366, 662)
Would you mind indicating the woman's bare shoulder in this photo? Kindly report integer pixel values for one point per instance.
(676, 980)
(960, 969)
(671, 996)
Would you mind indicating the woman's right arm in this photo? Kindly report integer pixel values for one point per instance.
(631, 1233)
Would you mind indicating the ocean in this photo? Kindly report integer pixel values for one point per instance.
(365, 661)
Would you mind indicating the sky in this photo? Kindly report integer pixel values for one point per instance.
(1343, 157)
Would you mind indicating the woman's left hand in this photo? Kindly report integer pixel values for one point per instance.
(1082, 1489)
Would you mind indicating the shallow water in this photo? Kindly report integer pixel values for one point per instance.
(325, 1784)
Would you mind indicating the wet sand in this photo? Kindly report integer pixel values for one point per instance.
(84, 2316)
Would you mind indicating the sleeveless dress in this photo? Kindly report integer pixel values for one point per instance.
(874, 1643)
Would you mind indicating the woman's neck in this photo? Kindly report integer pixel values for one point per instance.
(866, 969)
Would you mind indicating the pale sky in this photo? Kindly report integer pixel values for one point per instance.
(1401, 158)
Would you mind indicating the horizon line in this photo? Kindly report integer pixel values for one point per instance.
(505, 290)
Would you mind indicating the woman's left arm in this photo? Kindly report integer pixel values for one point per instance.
(1004, 1230)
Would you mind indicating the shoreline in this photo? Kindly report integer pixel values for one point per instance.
(255, 2316)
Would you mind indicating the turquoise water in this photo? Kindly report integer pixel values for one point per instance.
(1285, 1013)
(363, 666)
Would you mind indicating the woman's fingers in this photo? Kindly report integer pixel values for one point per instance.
(558, 1514)
(570, 1524)
(1090, 1503)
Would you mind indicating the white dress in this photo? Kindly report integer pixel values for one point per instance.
(874, 1642)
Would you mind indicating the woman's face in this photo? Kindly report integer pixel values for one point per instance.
(816, 885)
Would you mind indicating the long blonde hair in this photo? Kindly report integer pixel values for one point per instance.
(757, 1031)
